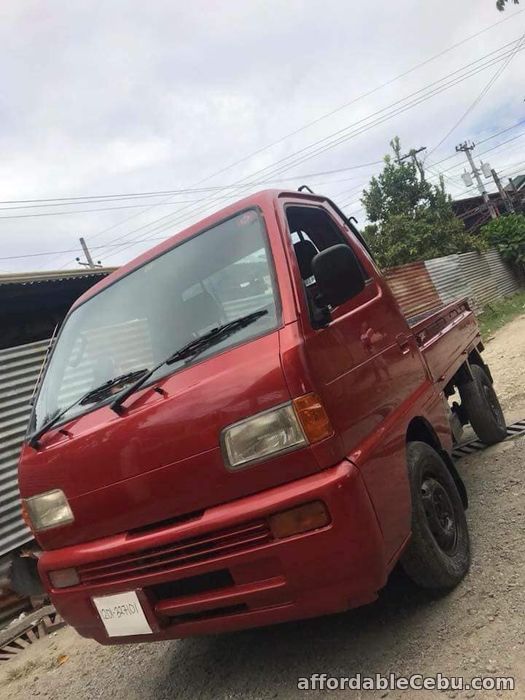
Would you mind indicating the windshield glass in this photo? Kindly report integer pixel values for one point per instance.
(213, 278)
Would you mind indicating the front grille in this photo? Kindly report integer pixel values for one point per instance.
(203, 583)
(208, 614)
(173, 555)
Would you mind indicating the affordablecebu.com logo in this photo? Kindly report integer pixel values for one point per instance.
(417, 681)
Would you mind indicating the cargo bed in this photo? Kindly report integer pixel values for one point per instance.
(446, 337)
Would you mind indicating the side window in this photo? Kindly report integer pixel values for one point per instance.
(312, 229)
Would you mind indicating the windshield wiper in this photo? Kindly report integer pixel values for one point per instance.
(92, 396)
(190, 350)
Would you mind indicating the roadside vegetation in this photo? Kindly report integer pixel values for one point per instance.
(507, 235)
(411, 218)
(499, 313)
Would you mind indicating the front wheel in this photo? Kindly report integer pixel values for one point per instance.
(438, 555)
(483, 407)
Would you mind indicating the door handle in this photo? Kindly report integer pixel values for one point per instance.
(404, 343)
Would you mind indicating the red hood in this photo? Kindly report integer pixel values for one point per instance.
(162, 459)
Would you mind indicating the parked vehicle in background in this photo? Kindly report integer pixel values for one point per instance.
(240, 427)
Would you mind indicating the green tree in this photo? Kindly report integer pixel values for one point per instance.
(507, 234)
(411, 219)
(500, 4)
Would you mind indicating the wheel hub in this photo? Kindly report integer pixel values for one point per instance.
(440, 514)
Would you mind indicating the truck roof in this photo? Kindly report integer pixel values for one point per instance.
(259, 198)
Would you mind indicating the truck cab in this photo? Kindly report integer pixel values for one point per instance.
(240, 427)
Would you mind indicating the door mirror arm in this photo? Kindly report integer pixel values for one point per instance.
(320, 316)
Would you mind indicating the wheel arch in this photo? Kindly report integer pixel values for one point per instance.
(419, 429)
(474, 358)
(464, 373)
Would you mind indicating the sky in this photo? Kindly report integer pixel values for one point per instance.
(208, 101)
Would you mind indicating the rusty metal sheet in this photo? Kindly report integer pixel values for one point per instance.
(413, 288)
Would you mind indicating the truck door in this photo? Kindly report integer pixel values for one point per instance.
(365, 363)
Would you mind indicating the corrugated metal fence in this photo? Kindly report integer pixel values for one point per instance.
(419, 287)
(19, 369)
(413, 288)
(480, 277)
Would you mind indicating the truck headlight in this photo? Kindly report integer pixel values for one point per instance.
(46, 510)
(262, 435)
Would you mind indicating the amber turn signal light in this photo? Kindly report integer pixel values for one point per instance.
(313, 418)
(25, 516)
(63, 578)
(310, 516)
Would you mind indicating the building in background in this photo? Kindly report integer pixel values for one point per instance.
(33, 303)
(473, 210)
(31, 306)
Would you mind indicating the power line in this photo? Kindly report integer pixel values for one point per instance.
(366, 94)
(345, 134)
(487, 150)
(218, 188)
(391, 81)
(240, 184)
(467, 149)
(62, 201)
(481, 95)
(146, 240)
(507, 174)
(431, 166)
(329, 145)
(150, 235)
(488, 138)
(132, 206)
(46, 252)
(118, 197)
(84, 211)
(133, 195)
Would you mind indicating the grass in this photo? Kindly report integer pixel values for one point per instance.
(499, 313)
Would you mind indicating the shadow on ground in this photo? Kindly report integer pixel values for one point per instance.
(267, 662)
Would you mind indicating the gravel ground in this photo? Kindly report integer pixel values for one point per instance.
(477, 630)
(505, 353)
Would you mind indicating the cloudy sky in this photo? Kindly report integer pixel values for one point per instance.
(207, 101)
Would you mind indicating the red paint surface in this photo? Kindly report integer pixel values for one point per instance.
(125, 477)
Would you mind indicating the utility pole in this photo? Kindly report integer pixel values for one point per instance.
(90, 262)
(507, 201)
(467, 150)
(412, 154)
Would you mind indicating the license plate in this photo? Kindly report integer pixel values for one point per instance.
(122, 614)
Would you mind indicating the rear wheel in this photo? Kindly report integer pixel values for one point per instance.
(483, 407)
(438, 555)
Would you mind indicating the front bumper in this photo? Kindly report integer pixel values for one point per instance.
(223, 571)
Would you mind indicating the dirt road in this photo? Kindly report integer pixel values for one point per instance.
(505, 354)
(476, 630)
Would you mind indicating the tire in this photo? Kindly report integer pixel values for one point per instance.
(438, 554)
(483, 407)
(24, 578)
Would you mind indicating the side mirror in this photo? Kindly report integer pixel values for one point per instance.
(338, 274)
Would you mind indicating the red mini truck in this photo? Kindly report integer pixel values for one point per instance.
(240, 428)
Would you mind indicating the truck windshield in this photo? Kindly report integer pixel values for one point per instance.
(203, 283)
